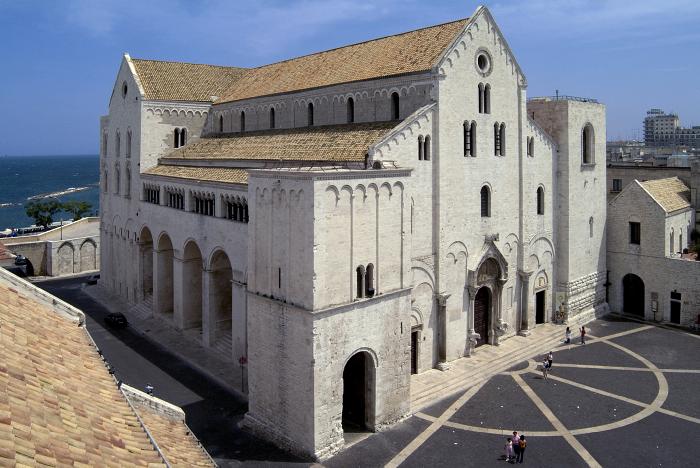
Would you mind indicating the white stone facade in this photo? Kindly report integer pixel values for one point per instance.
(381, 264)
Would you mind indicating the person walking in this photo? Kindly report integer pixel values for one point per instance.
(567, 335)
(516, 445)
(583, 334)
(550, 359)
(509, 449)
(522, 445)
(545, 369)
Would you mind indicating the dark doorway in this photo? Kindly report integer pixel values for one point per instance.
(539, 306)
(633, 295)
(482, 311)
(414, 352)
(355, 388)
(675, 307)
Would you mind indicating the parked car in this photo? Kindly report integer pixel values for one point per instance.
(116, 320)
(92, 279)
(20, 260)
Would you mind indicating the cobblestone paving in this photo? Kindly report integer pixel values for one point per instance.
(629, 397)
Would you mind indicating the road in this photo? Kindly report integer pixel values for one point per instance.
(213, 413)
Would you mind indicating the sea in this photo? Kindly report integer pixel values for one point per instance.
(26, 178)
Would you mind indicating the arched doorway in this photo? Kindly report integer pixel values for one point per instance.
(633, 295)
(164, 276)
(482, 313)
(192, 285)
(358, 393)
(220, 299)
(146, 263)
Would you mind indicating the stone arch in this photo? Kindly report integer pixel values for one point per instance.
(359, 391)
(220, 301)
(66, 256)
(163, 277)
(191, 285)
(88, 255)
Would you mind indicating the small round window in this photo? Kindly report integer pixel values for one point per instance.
(483, 62)
(125, 88)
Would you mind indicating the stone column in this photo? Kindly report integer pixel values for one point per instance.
(140, 295)
(208, 314)
(239, 330)
(501, 327)
(524, 302)
(180, 292)
(442, 331)
(471, 334)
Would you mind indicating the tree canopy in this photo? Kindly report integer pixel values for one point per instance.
(43, 211)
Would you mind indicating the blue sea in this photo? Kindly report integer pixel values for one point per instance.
(24, 178)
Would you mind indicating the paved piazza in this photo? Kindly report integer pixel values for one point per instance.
(629, 397)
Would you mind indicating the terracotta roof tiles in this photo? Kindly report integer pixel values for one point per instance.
(670, 193)
(178, 81)
(217, 174)
(409, 52)
(348, 142)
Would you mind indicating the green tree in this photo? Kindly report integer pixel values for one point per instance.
(77, 208)
(42, 211)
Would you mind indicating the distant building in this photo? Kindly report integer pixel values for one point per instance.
(649, 226)
(661, 129)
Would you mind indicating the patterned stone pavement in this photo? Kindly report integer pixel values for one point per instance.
(629, 397)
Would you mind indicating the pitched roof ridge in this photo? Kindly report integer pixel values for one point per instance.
(188, 63)
(358, 43)
(348, 127)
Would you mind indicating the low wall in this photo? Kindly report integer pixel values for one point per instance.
(59, 257)
(141, 399)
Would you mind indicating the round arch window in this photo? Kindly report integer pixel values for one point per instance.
(483, 62)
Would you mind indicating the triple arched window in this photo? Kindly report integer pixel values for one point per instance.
(394, 106)
(469, 138)
(484, 98)
(365, 281)
(499, 139)
(351, 110)
(485, 202)
(179, 137)
(424, 148)
(587, 145)
(540, 201)
(237, 210)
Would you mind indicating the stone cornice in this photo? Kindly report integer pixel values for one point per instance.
(346, 174)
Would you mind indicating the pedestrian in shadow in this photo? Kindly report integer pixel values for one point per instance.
(516, 445)
(583, 334)
(149, 389)
(522, 445)
(567, 336)
(550, 360)
(545, 369)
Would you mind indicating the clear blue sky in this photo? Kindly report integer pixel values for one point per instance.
(59, 59)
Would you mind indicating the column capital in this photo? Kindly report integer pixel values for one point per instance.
(525, 274)
(472, 290)
(442, 298)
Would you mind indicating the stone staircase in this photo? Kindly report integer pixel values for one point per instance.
(143, 310)
(433, 385)
(224, 345)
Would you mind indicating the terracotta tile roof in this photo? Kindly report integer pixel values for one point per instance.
(348, 142)
(5, 254)
(217, 174)
(671, 193)
(174, 439)
(177, 81)
(408, 52)
(58, 403)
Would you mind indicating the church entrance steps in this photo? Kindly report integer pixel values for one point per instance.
(143, 310)
(487, 361)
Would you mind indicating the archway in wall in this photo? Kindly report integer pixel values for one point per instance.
(358, 393)
(88, 257)
(65, 255)
(220, 299)
(482, 314)
(164, 276)
(192, 285)
(146, 263)
(633, 295)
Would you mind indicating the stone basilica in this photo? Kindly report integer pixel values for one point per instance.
(338, 221)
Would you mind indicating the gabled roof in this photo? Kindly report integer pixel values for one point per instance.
(409, 52)
(347, 142)
(671, 193)
(178, 81)
(215, 174)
